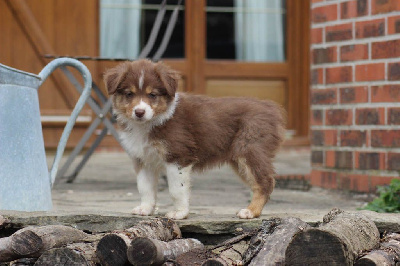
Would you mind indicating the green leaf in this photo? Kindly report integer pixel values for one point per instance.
(388, 200)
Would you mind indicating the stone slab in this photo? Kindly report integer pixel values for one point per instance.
(197, 224)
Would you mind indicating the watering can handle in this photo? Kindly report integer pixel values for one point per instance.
(44, 74)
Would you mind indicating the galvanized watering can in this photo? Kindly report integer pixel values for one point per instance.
(25, 182)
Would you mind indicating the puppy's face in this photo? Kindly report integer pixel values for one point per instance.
(141, 89)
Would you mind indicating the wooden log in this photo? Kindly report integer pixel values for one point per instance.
(23, 262)
(216, 262)
(148, 251)
(3, 225)
(86, 250)
(194, 257)
(170, 263)
(31, 242)
(387, 254)
(337, 241)
(230, 252)
(3, 221)
(229, 255)
(71, 254)
(269, 246)
(61, 256)
(111, 249)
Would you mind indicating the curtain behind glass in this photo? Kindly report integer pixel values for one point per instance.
(259, 31)
(120, 28)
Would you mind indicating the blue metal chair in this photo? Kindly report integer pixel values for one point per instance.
(102, 107)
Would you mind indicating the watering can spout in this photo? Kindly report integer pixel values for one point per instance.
(25, 181)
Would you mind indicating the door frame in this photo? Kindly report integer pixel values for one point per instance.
(196, 69)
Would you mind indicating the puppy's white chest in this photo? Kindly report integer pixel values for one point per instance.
(136, 143)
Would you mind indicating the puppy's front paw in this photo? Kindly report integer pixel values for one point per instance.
(245, 214)
(177, 215)
(143, 210)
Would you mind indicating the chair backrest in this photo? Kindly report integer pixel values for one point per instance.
(155, 30)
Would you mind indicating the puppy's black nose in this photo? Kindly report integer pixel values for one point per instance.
(139, 113)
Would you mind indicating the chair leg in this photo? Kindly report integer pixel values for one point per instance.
(71, 178)
(101, 112)
(108, 125)
(78, 148)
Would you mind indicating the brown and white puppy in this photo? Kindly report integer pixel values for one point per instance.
(174, 133)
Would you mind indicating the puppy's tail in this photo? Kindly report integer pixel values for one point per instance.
(279, 120)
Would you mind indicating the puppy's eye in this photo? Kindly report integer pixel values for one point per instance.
(152, 95)
(129, 94)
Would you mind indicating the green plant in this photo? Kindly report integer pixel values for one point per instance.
(388, 200)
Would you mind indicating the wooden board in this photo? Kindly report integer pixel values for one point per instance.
(71, 27)
(262, 89)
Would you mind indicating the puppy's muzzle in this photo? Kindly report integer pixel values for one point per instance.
(140, 113)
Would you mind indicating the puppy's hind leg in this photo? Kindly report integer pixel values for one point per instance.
(261, 182)
(179, 188)
(147, 186)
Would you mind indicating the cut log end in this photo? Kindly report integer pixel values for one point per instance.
(111, 250)
(337, 241)
(387, 254)
(375, 258)
(32, 242)
(315, 247)
(142, 251)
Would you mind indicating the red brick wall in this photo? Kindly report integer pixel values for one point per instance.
(355, 93)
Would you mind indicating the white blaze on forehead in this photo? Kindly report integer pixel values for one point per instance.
(141, 79)
(148, 111)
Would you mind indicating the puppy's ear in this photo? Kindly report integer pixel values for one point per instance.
(168, 77)
(113, 77)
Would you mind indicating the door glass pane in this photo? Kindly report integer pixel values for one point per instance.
(125, 27)
(246, 30)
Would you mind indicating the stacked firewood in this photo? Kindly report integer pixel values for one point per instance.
(150, 242)
(342, 238)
